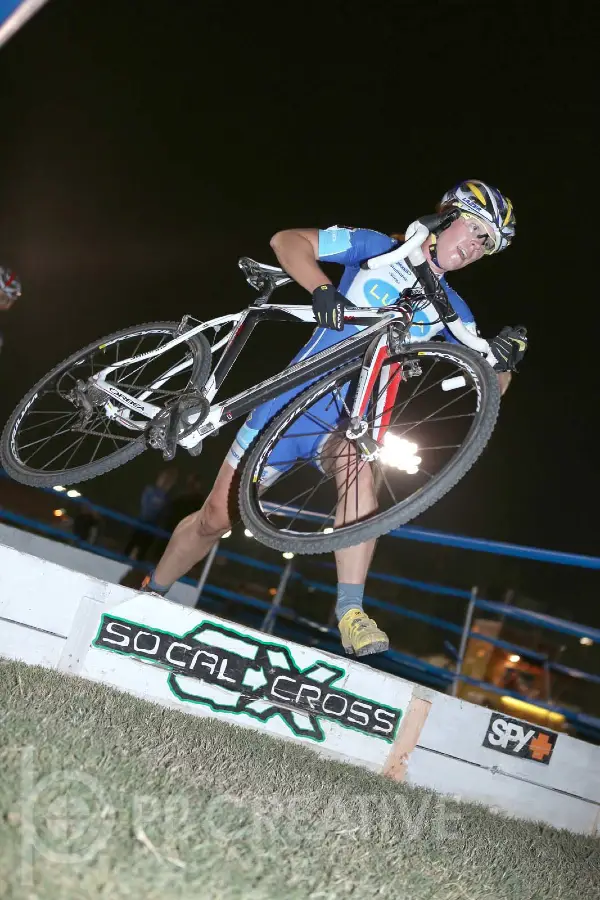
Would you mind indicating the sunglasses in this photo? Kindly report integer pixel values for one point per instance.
(476, 227)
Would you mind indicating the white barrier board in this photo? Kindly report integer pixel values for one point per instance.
(172, 654)
(206, 666)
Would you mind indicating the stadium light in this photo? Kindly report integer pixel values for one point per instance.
(288, 554)
(248, 533)
(514, 657)
(73, 493)
(58, 513)
(328, 531)
(400, 453)
(226, 535)
(58, 488)
(586, 641)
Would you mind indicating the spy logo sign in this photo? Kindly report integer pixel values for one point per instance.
(233, 672)
(519, 739)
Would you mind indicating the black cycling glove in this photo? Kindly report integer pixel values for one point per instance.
(328, 306)
(509, 348)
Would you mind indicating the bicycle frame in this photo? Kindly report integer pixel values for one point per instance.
(371, 341)
(219, 414)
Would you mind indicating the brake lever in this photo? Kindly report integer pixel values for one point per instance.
(438, 222)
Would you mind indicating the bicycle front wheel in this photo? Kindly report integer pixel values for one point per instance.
(309, 487)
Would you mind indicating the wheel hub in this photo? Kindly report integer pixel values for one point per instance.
(368, 446)
(357, 428)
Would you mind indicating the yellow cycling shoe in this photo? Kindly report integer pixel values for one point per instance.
(360, 634)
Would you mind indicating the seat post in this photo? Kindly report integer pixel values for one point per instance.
(263, 278)
(265, 293)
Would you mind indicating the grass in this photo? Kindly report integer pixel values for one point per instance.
(106, 796)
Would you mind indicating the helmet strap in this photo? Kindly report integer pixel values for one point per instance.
(432, 251)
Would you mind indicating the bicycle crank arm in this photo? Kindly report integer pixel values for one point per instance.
(173, 425)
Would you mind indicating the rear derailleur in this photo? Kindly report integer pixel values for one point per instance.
(88, 401)
(173, 423)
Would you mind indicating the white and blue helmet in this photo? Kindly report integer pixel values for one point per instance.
(478, 199)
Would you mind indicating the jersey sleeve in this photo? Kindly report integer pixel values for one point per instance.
(461, 308)
(351, 246)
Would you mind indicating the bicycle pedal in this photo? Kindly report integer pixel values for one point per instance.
(169, 453)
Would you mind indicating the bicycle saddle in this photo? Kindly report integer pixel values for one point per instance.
(260, 275)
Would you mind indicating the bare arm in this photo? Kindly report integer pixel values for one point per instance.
(297, 249)
(504, 379)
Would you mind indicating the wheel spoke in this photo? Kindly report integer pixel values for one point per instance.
(318, 421)
(77, 445)
(343, 496)
(420, 393)
(46, 412)
(62, 452)
(356, 491)
(282, 478)
(349, 483)
(414, 392)
(147, 361)
(375, 399)
(45, 440)
(439, 447)
(94, 454)
(109, 434)
(431, 415)
(343, 402)
(308, 499)
(381, 470)
(293, 500)
(442, 418)
(44, 424)
(138, 345)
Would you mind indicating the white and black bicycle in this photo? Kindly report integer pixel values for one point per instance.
(410, 418)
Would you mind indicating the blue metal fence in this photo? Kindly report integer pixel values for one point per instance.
(289, 621)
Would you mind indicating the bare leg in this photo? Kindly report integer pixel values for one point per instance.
(356, 498)
(197, 533)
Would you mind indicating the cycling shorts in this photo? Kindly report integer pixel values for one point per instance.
(304, 438)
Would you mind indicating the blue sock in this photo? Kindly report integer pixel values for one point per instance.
(349, 596)
(153, 585)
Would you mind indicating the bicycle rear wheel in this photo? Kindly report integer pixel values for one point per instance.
(46, 442)
(332, 497)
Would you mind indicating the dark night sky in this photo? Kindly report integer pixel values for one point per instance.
(143, 150)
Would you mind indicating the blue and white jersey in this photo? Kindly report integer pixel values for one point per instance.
(349, 247)
(379, 287)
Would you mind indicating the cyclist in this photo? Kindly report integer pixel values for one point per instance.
(485, 225)
(10, 290)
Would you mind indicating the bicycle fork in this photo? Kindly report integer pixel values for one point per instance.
(370, 444)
